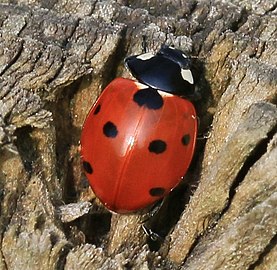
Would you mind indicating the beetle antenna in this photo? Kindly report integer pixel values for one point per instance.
(144, 44)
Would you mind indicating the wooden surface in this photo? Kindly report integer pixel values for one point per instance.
(57, 56)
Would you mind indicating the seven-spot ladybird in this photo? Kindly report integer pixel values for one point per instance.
(138, 139)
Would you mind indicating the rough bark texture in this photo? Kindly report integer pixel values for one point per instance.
(56, 57)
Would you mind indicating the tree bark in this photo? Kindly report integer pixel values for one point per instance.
(55, 59)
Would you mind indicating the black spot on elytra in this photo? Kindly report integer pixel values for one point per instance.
(157, 146)
(87, 167)
(149, 97)
(157, 191)
(97, 109)
(186, 139)
(110, 130)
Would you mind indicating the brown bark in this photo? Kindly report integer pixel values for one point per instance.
(57, 56)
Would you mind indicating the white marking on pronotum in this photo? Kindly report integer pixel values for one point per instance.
(187, 76)
(184, 56)
(165, 94)
(145, 56)
(141, 85)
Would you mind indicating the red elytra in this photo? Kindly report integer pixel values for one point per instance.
(137, 144)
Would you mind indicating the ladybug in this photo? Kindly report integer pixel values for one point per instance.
(138, 139)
